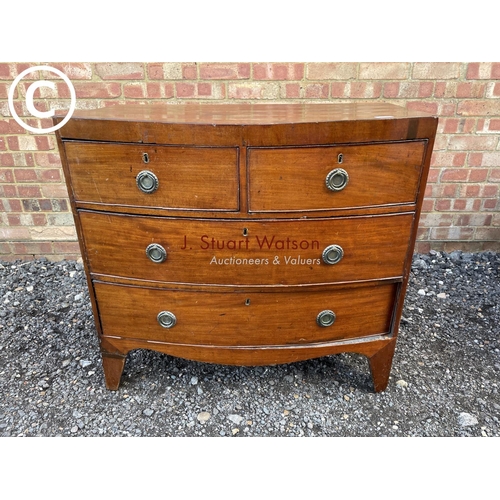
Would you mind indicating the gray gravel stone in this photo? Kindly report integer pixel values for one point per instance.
(51, 379)
(466, 419)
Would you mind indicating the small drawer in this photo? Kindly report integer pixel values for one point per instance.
(197, 178)
(258, 252)
(244, 318)
(340, 177)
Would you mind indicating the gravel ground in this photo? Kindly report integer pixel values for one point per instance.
(444, 380)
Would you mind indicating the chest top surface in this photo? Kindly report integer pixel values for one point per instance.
(226, 124)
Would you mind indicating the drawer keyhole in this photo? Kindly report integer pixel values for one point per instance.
(340, 158)
(145, 157)
(245, 231)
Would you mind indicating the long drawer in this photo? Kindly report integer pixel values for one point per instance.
(244, 318)
(295, 179)
(177, 177)
(229, 252)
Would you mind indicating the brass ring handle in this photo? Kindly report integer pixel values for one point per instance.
(333, 254)
(146, 181)
(156, 253)
(326, 318)
(337, 179)
(166, 319)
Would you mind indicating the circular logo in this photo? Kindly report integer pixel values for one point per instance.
(29, 99)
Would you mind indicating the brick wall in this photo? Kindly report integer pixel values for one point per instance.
(461, 208)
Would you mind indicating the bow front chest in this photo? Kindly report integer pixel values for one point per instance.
(247, 234)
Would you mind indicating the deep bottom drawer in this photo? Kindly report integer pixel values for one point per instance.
(240, 318)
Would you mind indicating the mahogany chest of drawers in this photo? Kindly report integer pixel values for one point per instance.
(247, 234)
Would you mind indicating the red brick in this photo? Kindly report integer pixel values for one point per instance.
(433, 175)
(470, 191)
(443, 205)
(422, 247)
(447, 108)
(43, 143)
(475, 159)
(441, 89)
(331, 71)
(365, 90)
(292, 90)
(224, 71)
(155, 71)
(29, 191)
(39, 219)
(134, 90)
(153, 90)
(443, 190)
(8, 191)
(454, 174)
(51, 175)
(278, 71)
(316, 90)
(67, 247)
(32, 248)
(6, 72)
(391, 89)
(338, 90)
(422, 233)
(3, 147)
(189, 71)
(85, 90)
(490, 204)
(44, 159)
(6, 175)
(14, 219)
(254, 90)
(494, 90)
(482, 71)
(75, 71)
(448, 125)
(185, 89)
(478, 174)
(427, 205)
(54, 191)
(25, 175)
(489, 190)
(474, 220)
(494, 125)
(452, 233)
(204, 89)
(168, 90)
(494, 175)
(384, 71)
(479, 108)
(470, 89)
(120, 71)
(471, 143)
(436, 71)
(425, 106)
(488, 233)
(458, 125)
(4, 91)
(14, 233)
